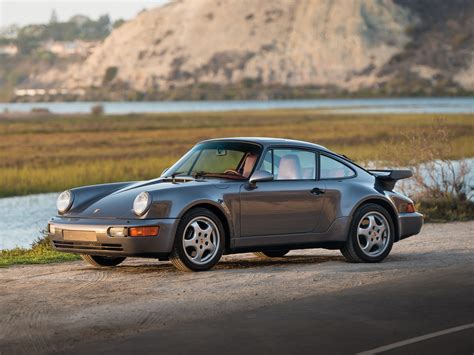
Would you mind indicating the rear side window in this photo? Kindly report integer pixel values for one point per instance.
(333, 169)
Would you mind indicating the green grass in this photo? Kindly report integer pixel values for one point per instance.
(55, 153)
(41, 252)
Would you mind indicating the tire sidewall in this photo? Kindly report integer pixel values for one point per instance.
(353, 232)
(178, 241)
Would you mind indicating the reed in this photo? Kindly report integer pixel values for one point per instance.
(55, 153)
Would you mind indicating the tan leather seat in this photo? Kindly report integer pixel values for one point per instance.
(249, 164)
(289, 168)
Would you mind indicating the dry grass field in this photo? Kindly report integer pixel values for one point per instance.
(52, 153)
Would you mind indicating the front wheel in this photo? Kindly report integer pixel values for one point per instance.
(272, 253)
(199, 241)
(102, 261)
(371, 235)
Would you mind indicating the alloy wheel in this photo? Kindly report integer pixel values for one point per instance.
(373, 234)
(201, 240)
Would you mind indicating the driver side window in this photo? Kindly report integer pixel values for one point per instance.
(290, 164)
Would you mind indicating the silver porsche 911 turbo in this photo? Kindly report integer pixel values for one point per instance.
(234, 195)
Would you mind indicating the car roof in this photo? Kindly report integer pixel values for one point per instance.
(268, 141)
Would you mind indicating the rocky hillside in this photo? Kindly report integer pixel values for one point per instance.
(280, 48)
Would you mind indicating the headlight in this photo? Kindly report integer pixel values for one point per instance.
(142, 203)
(64, 201)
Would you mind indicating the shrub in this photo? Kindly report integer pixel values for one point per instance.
(446, 209)
(439, 185)
(110, 74)
(97, 110)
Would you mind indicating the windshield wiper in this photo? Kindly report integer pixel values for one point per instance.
(199, 174)
(176, 174)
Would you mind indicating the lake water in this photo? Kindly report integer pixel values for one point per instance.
(23, 217)
(368, 106)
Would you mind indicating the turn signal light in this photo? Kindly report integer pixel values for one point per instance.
(410, 208)
(143, 231)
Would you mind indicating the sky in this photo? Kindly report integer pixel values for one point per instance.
(23, 12)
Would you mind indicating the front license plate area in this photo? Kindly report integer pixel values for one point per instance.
(86, 236)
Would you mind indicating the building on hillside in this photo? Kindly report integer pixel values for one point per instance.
(70, 48)
(9, 32)
(32, 92)
(9, 50)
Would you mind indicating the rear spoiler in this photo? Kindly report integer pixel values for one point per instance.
(388, 178)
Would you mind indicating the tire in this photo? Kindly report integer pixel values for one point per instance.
(272, 253)
(371, 235)
(102, 261)
(199, 241)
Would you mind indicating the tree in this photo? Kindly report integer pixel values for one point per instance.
(54, 17)
(118, 23)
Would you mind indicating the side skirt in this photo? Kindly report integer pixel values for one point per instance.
(336, 234)
(322, 245)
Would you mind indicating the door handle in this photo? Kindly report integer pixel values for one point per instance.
(317, 191)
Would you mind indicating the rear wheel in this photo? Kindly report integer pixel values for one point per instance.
(102, 261)
(199, 241)
(272, 253)
(371, 235)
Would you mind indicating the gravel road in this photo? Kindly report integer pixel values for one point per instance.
(59, 307)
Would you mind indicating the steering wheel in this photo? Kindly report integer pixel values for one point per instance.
(232, 171)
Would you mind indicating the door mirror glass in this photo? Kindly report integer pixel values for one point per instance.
(261, 175)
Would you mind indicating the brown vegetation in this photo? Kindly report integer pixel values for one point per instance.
(54, 153)
(440, 185)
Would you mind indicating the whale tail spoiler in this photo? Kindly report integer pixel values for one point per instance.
(388, 178)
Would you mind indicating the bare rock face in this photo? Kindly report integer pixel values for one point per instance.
(306, 42)
(345, 44)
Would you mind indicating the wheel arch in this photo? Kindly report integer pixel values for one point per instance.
(388, 206)
(219, 212)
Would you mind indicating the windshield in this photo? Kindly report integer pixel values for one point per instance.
(222, 159)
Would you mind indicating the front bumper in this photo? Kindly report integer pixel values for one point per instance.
(96, 240)
(410, 224)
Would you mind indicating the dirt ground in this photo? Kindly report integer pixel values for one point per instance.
(53, 308)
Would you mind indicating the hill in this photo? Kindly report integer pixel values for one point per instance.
(281, 48)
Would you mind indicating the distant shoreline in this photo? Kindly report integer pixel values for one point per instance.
(408, 105)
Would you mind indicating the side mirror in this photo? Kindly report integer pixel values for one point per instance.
(259, 176)
(164, 171)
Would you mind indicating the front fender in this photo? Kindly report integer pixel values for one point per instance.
(223, 201)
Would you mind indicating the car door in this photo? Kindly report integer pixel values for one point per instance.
(290, 204)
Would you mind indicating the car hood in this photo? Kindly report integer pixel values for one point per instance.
(118, 201)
